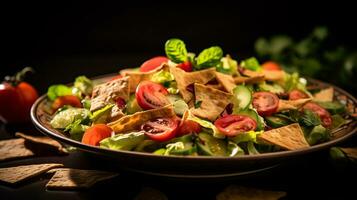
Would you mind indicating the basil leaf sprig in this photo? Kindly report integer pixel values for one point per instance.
(176, 50)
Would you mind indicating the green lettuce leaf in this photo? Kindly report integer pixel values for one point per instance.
(76, 129)
(162, 77)
(66, 117)
(251, 63)
(100, 116)
(206, 124)
(126, 141)
(55, 91)
(234, 150)
(250, 136)
(251, 149)
(84, 85)
(228, 66)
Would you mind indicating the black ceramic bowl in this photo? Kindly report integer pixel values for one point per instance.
(194, 166)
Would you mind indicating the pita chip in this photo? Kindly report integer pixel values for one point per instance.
(135, 77)
(288, 137)
(292, 104)
(248, 80)
(108, 93)
(234, 192)
(324, 95)
(213, 102)
(184, 79)
(65, 178)
(350, 151)
(14, 175)
(226, 81)
(134, 121)
(269, 75)
(14, 148)
(43, 140)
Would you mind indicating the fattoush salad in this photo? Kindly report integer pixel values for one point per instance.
(197, 104)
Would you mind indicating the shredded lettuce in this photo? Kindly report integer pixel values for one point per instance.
(251, 149)
(174, 147)
(250, 136)
(228, 66)
(66, 117)
(162, 77)
(76, 129)
(293, 81)
(100, 116)
(274, 88)
(234, 150)
(206, 124)
(126, 141)
(84, 85)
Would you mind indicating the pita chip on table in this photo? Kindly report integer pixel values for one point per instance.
(350, 151)
(67, 179)
(134, 121)
(212, 102)
(43, 142)
(234, 192)
(288, 137)
(15, 175)
(292, 104)
(185, 79)
(324, 95)
(14, 148)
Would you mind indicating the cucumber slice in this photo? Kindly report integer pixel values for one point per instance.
(276, 122)
(189, 149)
(211, 145)
(243, 96)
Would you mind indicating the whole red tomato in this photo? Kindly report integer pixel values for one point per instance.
(16, 98)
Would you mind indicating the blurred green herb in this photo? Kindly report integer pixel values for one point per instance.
(311, 56)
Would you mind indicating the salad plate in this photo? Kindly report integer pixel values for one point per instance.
(197, 117)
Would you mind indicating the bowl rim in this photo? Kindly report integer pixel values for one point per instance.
(110, 152)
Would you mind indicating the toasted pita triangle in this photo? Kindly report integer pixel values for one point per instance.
(17, 174)
(14, 148)
(292, 104)
(135, 77)
(184, 79)
(213, 102)
(134, 121)
(77, 178)
(248, 80)
(289, 137)
(43, 140)
(324, 95)
(226, 81)
(350, 151)
(270, 75)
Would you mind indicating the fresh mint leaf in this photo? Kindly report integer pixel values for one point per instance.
(209, 57)
(176, 50)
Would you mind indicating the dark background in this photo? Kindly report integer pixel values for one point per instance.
(64, 39)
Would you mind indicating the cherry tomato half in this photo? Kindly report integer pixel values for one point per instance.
(153, 63)
(151, 95)
(161, 129)
(186, 66)
(270, 65)
(297, 94)
(71, 100)
(187, 127)
(232, 125)
(266, 103)
(324, 115)
(16, 101)
(96, 133)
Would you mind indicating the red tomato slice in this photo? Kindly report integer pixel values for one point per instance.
(321, 112)
(270, 65)
(297, 94)
(161, 129)
(153, 63)
(187, 127)
(266, 103)
(186, 66)
(151, 95)
(72, 100)
(96, 133)
(232, 125)
(120, 103)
